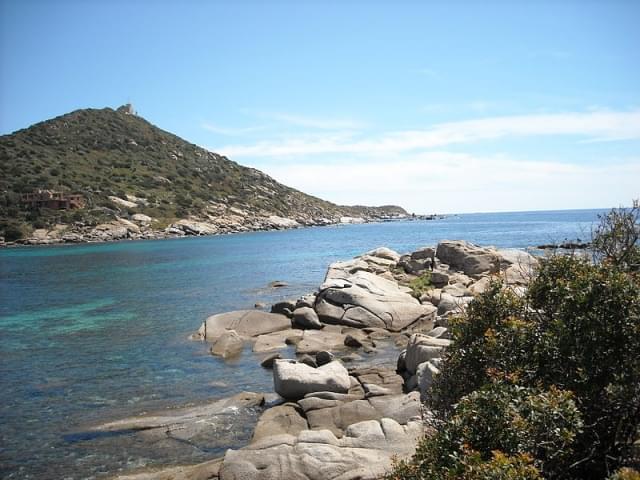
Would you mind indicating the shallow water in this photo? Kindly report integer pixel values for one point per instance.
(92, 333)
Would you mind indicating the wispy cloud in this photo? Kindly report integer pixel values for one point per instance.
(307, 121)
(598, 126)
(230, 131)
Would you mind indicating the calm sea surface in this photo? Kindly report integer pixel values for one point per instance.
(92, 333)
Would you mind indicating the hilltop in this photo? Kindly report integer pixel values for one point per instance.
(138, 181)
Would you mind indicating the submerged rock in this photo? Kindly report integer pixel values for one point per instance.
(277, 340)
(228, 345)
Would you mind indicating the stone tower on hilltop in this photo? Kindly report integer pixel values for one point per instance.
(127, 109)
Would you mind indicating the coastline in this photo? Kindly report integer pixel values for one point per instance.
(210, 272)
(364, 415)
(122, 230)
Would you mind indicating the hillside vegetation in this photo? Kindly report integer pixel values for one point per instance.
(102, 153)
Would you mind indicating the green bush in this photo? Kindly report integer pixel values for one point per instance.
(479, 346)
(578, 329)
(553, 375)
(615, 238)
(421, 284)
(503, 430)
(12, 230)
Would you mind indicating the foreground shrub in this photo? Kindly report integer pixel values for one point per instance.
(588, 341)
(546, 385)
(615, 238)
(500, 431)
(483, 342)
(625, 474)
(577, 330)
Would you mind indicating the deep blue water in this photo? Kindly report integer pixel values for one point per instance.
(91, 333)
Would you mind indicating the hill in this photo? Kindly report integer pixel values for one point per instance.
(131, 175)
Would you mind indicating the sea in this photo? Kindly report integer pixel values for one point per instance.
(93, 333)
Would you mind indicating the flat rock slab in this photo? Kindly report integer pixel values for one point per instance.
(314, 341)
(337, 415)
(183, 416)
(247, 323)
(382, 377)
(202, 471)
(365, 452)
(277, 340)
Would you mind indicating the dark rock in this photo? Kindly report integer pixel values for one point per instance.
(439, 279)
(424, 253)
(351, 341)
(401, 365)
(308, 360)
(324, 357)
(306, 317)
(285, 307)
(269, 360)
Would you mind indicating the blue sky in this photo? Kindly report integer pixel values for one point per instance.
(436, 106)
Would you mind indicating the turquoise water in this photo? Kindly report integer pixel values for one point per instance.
(92, 333)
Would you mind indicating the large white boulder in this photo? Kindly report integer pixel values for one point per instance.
(247, 323)
(473, 260)
(423, 348)
(293, 380)
(363, 299)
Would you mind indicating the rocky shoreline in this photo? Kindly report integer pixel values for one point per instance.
(332, 418)
(143, 227)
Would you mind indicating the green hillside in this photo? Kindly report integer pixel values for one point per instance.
(102, 153)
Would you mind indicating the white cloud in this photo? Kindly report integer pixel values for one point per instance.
(230, 131)
(597, 125)
(446, 182)
(313, 122)
(407, 167)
